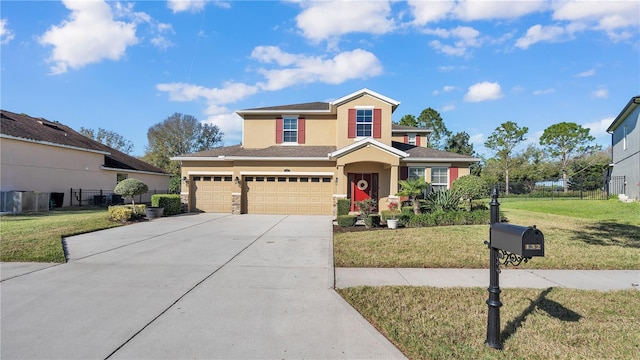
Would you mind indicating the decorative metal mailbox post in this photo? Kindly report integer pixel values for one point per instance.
(508, 244)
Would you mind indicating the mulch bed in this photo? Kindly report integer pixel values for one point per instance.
(341, 229)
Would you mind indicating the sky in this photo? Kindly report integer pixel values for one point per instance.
(126, 66)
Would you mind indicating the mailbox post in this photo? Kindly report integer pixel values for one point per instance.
(508, 244)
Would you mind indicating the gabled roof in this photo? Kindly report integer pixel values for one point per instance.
(304, 107)
(38, 130)
(631, 105)
(423, 154)
(394, 103)
(277, 152)
(368, 142)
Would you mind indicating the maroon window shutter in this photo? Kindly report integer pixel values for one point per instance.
(279, 130)
(404, 172)
(417, 140)
(377, 123)
(453, 175)
(301, 130)
(351, 133)
(406, 139)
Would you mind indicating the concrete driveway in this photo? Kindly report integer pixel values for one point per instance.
(192, 286)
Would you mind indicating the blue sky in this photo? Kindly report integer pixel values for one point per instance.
(125, 66)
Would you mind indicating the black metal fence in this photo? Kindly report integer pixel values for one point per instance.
(86, 197)
(577, 188)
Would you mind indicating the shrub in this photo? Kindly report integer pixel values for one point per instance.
(124, 213)
(373, 220)
(347, 220)
(443, 200)
(406, 210)
(471, 188)
(131, 187)
(344, 205)
(441, 218)
(170, 202)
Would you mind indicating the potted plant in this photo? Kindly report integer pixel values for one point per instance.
(392, 221)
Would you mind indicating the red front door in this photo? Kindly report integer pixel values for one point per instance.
(362, 187)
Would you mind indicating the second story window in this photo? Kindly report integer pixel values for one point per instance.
(290, 130)
(364, 122)
(411, 140)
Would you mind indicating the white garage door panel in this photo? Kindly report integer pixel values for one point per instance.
(212, 193)
(288, 195)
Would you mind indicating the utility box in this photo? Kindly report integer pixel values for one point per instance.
(520, 240)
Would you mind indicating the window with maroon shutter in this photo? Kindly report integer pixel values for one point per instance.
(406, 139)
(417, 140)
(279, 130)
(404, 172)
(377, 123)
(351, 133)
(301, 130)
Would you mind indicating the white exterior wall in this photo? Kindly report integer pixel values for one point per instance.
(28, 166)
(627, 161)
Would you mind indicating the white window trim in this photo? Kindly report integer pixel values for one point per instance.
(446, 185)
(372, 121)
(412, 137)
(624, 137)
(284, 142)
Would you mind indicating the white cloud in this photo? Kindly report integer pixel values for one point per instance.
(586, 73)
(598, 129)
(323, 20)
(544, 92)
(89, 35)
(228, 121)
(6, 34)
(619, 19)
(429, 11)
(477, 139)
(448, 88)
(483, 91)
(229, 93)
(186, 5)
(464, 37)
(355, 64)
(538, 33)
(448, 108)
(487, 10)
(600, 93)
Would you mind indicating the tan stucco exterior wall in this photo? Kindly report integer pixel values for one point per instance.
(260, 131)
(342, 125)
(37, 167)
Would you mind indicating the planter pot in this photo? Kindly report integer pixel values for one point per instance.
(392, 223)
(154, 212)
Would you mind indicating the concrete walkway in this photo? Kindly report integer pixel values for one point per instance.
(199, 286)
(509, 278)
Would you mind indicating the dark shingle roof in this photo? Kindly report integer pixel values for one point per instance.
(42, 130)
(399, 127)
(419, 152)
(271, 151)
(312, 106)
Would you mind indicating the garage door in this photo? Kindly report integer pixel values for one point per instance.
(288, 195)
(212, 193)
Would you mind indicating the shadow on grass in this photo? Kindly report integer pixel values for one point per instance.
(553, 308)
(609, 233)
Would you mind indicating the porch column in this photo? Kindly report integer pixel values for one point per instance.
(393, 183)
(341, 187)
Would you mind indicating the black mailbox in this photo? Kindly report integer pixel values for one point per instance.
(521, 240)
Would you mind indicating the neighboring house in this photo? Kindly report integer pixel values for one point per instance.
(298, 159)
(625, 140)
(38, 155)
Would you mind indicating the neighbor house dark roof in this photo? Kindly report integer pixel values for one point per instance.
(40, 130)
(398, 127)
(278, 151)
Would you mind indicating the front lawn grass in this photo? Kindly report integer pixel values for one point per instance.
(37, 237)
(579, 234)
(556, 323)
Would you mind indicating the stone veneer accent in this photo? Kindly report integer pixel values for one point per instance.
(236, 203)
(184, 202)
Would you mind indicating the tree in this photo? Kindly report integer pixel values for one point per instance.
(587, 171)
(131, 187)
(531, 166)
(470, 188)
(109, 138)
(459, 144)
(430, 119)
(503, 140)
(565, 140)
(413, 187)
(409, 120)
(179, 134)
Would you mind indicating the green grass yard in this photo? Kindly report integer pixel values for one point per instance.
(37, 237)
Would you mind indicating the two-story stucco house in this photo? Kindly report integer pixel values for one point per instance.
(298, 159)
(625, 141)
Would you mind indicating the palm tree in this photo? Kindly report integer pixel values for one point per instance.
(413, 187)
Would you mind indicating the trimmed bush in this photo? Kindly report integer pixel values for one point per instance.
(124, 213)
(347, 220)
(170, 202)
(344, 205)
(373, 220)
(441, 218)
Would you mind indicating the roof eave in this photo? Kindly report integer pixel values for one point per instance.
(631, 105)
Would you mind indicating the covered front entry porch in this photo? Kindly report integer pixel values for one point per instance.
(368, 169)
